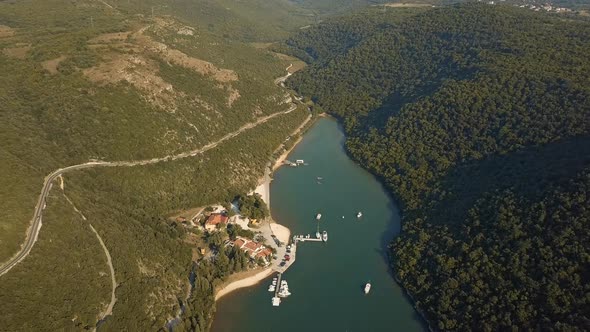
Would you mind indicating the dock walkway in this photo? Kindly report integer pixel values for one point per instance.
(302, 238)
(279, 277)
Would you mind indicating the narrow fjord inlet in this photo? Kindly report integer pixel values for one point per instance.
(327, 281)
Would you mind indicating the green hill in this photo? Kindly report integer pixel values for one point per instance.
(252, 21)
(94, 80)
(477, 118)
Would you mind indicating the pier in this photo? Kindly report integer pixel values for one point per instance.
(306, 238)
(276, 300)
(301, 238)
(279, 277)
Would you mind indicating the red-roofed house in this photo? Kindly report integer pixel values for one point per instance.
(264, 253)
(254, 249)
(239, 243)
(252, 246)
(214, 220)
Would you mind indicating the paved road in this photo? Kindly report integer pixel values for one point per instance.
(36, 223)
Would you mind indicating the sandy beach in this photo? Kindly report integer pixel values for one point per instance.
(247, 281)
(263, 189)
(281, 232)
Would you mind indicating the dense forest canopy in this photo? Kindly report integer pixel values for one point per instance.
(477, 117)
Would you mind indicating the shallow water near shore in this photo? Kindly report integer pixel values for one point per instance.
(327, 280)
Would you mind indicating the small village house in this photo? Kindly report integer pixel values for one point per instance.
(214, 221)
(254, 249)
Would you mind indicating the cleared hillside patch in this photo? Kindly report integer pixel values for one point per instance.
(51, 65)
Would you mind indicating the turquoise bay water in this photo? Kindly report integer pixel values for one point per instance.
(327, 280)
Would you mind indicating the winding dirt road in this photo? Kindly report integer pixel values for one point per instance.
(36, 222)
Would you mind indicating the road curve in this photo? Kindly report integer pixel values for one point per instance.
(36, 222)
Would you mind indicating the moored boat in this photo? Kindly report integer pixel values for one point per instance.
(276, 301)
(284, 290)
(318, 216)
(367, 288)
(360, 214)
(325, 236)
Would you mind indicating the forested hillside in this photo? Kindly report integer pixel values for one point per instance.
(477, 118)
(87, 80)
(251, 21)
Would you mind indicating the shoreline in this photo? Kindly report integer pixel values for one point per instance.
(246, 281)
(279, 161)
(253, 277)
(263, 188)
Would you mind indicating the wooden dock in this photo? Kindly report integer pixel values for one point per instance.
(279, 276)
(276, 300)
(302, 238)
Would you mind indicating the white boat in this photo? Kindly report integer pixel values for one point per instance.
(276, 301)
(325, 236)
(360, 214)
(367, 288)
(284, 291)
(271, 288)
(318, 235)
(318, 216)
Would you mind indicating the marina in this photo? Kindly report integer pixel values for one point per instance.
(328, 281)
(280, 289)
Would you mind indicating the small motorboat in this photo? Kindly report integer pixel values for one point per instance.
(360, 214)
(276, 301)
(325, 236)
(318, 216)
(367, 288)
